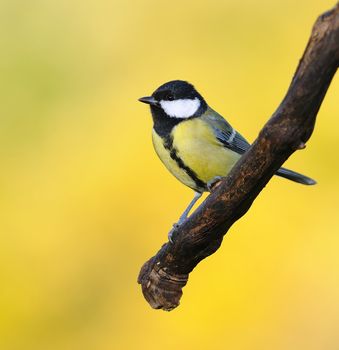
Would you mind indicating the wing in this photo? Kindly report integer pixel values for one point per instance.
(224, 132)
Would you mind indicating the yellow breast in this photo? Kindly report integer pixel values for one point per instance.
(171, 164)
(200, 151)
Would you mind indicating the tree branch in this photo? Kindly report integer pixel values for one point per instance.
(164, 275)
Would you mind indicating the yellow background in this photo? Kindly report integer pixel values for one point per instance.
(84, 201)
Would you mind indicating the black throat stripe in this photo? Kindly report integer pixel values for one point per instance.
(168, 144)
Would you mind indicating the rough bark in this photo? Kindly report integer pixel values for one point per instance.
(164, 275)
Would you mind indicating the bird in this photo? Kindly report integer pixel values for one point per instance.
(195, 143)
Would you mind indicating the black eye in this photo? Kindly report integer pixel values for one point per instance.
(169, 97)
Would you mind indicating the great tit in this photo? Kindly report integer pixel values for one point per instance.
(195, 143)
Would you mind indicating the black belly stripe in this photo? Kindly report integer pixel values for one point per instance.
(168, 143)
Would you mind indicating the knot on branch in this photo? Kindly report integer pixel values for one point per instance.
(161, 287)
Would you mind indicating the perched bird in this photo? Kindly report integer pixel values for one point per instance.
(195, 143)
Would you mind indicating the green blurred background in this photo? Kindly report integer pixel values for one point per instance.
(84, 201)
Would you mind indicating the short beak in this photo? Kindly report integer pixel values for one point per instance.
(149, 100)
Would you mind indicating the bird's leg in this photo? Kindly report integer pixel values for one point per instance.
(184, 215)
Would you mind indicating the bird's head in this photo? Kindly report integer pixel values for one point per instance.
(176, 99)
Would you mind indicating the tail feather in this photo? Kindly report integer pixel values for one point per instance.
(294, 176)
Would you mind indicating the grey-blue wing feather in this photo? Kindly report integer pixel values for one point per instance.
(224, 132)
(233, 141)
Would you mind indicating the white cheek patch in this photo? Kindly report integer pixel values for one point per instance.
(183, 108)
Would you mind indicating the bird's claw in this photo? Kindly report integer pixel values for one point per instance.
(170, 234)
(213, 182)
